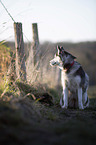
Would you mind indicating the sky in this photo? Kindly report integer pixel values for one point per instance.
(58, 20)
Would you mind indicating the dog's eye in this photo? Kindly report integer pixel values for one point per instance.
(61, 52)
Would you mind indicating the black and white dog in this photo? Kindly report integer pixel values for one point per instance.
(74, 79)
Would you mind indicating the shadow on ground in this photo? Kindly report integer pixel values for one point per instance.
(27, 122)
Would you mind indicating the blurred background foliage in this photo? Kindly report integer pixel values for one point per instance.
(84, 51)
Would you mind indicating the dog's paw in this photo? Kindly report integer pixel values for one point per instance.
(81, 107)
(64, 107)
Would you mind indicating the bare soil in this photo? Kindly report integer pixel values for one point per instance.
(27, 122)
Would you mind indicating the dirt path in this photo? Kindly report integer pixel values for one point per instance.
(26, 122)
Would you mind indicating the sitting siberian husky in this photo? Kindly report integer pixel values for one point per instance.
(74, 79)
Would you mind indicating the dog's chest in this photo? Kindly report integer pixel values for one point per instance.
(70, 81)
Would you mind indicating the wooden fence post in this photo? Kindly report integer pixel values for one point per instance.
(36, 50)
(20, 53)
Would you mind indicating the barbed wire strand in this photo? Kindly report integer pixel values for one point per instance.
(11, 17)
(7, 11)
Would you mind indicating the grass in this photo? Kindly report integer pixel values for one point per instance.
(1, 87)
(24, 120)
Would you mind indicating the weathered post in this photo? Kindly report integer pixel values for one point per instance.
(35, 43)
(20, 53)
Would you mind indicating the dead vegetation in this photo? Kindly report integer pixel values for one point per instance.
(25, 120)
(30, 114)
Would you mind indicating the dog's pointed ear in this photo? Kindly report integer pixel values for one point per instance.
(60, 49)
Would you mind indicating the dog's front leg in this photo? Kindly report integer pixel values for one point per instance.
(61, 100)
(65, 98)
(80, 104)
(86, 99)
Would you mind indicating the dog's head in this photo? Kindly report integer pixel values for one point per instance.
(61, 58)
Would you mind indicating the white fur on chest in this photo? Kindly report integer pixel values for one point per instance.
(70, 81)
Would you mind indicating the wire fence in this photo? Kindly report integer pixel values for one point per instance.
(6, 25)
(44, 73)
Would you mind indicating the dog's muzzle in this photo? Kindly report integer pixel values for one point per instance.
(55, 61)
(52, 63)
